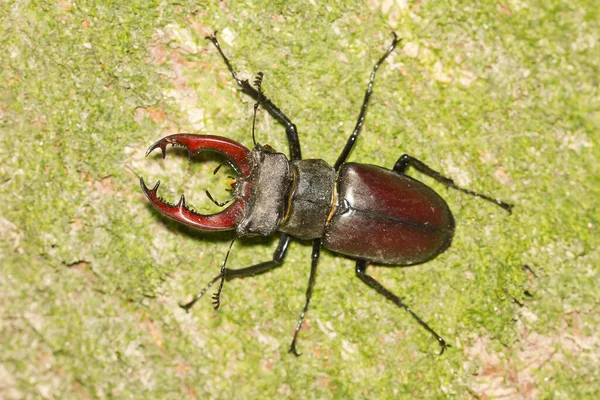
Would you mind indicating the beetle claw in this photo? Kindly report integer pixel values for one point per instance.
(293, 350)
(444, 346)
(187, 306)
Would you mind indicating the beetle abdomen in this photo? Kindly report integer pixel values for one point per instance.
(387, 218)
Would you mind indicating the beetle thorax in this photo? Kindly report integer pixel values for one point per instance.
(270, 182)
(292, 196)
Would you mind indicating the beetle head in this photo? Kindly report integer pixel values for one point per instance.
(237, 154)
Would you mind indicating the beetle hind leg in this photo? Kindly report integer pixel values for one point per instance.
(405, 161)
(311, 282)
(361, 267)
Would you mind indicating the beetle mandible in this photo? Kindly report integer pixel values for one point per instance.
(366, 212)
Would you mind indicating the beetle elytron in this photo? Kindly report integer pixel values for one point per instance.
(366, 212)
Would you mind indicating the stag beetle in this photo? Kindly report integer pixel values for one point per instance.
(366, 212)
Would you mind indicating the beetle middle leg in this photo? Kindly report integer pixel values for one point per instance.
(361, 267)
(290, 128)
(405, 161)
(278, 256)
(363, 110)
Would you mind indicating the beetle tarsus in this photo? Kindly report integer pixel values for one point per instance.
(188, 305)
(311, 282)
(443, 345)
(278, 256)
(361, 267)
(293, 349)
(363, 110)
(215, 42)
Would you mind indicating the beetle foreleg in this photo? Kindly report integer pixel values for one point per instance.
(361, 267)
(257, 269)
(311, 282)
(405, 160)
(290, 128)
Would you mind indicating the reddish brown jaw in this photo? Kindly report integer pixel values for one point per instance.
(224, 220)
(236, 152)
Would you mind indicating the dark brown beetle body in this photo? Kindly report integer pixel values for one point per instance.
(387, 218)
(363, 211)
(369, 213)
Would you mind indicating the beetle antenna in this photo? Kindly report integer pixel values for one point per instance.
(257, 83)
(230, 177)
(223, 163)
(217, 296)
(216, 202)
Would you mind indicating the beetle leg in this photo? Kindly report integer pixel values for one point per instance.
(278, 255)
(405, 160)
(311, 282)
(290, 128)
(361, 267)
(217, 295)
(363, 110)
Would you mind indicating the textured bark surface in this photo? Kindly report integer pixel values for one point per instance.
(501, 96)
